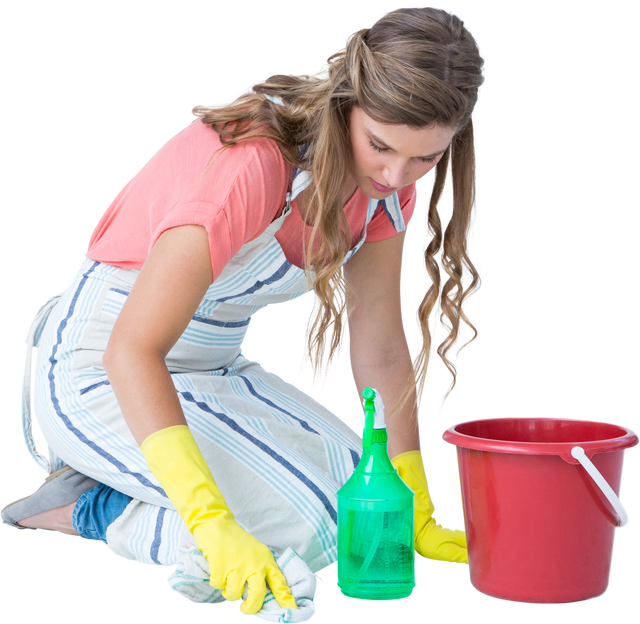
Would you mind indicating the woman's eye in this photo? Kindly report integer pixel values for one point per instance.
(384, 149)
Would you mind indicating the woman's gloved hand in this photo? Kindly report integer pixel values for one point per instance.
(239, 558)
(431, 540)
(235, 557)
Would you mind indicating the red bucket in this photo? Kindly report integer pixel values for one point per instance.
(540, 514)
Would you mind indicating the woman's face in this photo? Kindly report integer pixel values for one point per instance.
(387, 157)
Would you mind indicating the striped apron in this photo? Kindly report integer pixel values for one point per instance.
(277, 455)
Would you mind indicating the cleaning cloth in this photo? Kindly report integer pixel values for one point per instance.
(191, 578)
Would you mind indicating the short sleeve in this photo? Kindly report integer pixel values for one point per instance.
(233, 193)
(239, 196)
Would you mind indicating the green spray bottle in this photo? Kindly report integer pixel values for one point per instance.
(375, 519)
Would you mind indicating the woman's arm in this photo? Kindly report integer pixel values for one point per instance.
(379, 353)
(403, 431)
(164, 298)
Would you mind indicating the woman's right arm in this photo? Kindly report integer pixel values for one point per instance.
(162, 301)
(164, 298)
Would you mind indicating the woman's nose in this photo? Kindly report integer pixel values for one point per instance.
(395, 174)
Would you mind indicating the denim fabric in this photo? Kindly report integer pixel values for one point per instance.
(96, 509)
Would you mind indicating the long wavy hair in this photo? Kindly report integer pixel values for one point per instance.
(418, 67)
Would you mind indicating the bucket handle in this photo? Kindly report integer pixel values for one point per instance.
(578, 453)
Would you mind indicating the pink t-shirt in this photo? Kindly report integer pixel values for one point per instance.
(234, 195)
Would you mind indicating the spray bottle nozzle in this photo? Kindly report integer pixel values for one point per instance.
(374, 425)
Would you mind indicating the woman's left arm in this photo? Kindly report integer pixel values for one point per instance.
(380, 355)
(403, 430)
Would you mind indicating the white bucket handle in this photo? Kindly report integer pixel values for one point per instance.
(578, 453)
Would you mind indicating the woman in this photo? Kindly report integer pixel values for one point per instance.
(159, 428)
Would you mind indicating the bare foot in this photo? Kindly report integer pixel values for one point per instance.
(59, 519)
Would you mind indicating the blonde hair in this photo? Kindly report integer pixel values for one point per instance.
(418, 67)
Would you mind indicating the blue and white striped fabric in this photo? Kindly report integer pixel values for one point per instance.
(278, 456)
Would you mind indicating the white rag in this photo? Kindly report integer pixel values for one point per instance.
(191, 578)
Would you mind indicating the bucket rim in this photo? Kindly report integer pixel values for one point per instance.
(627, 439)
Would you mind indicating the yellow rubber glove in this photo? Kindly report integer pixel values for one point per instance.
(235, 557)
(431, 540)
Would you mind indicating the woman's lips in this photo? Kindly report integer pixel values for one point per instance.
(381, 188)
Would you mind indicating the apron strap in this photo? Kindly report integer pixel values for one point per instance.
(43, 461)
